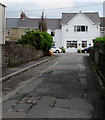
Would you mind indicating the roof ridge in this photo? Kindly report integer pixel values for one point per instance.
(78, 12)
(90, 12)
(38, 18)
(69, 13)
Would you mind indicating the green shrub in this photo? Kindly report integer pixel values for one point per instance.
(63, 50)
(99, 42)
(79, 50)
(47, 41)
(38, 39)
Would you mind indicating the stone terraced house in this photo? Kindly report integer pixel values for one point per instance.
(73, 31)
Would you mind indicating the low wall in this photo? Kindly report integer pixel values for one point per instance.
(98, 56)
(14, 54)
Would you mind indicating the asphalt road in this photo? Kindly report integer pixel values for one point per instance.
(68, 89)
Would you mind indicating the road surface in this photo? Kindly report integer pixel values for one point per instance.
(69, 88)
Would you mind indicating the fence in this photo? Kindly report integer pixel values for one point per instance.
(98, 57)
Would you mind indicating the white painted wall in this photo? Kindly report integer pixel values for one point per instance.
(71, 35)
(49, 31)
(2, 24)
(57, 38)
(62, 36)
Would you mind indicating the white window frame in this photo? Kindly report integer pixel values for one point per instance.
(84, 43)
(78, 28)
(71, 44)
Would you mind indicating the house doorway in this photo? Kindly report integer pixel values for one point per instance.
(84, 44)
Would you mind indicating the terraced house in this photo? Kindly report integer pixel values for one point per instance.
(73, 31)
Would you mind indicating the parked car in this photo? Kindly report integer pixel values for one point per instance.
(85, 50)
(56, 50)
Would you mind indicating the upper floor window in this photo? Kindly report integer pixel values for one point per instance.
(52, 33)
(81, 28)
(53, 44)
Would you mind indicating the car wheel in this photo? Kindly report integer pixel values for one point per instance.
(57, 51)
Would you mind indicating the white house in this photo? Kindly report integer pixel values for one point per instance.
(78, 30)
(2, 23)
(73, 31)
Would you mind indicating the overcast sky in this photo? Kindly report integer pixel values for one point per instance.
(52, 8)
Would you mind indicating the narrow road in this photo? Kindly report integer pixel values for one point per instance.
(69, 89)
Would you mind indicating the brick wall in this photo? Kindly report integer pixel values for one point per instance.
(14, 54)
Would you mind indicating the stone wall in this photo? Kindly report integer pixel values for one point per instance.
(14, 54)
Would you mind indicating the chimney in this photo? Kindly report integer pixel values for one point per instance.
(22, 16)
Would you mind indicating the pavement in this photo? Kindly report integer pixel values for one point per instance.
(10, 70)
(68, 89)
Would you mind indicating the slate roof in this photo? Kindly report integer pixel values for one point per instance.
(94, 16)
(66, 17)
(51, 23)
(31, 23)
(102, 21)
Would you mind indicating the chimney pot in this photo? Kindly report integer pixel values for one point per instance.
(22, 16)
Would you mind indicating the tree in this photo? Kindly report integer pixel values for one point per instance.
(42, 24)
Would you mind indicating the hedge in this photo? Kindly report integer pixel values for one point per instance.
(99, 42)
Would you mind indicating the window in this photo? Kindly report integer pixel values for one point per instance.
(52, 32)
(80, 28)
(75, 28)
(83, 28)
(86, 28)
(53, 44)
(84, 44)
(8, 33)
(68, 44)
(71, 44)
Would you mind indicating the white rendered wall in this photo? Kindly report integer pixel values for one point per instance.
(49, 31)
(57, 37)
(71, 35)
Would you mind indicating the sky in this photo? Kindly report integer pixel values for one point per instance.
(51, 8)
